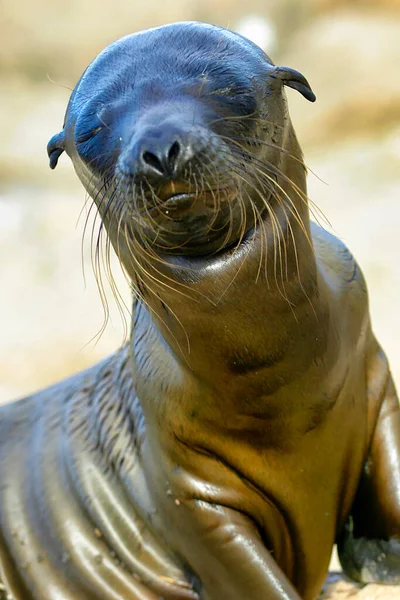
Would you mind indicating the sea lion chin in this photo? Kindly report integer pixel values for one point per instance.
(251, 420)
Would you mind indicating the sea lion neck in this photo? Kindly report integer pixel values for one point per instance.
(201, 312)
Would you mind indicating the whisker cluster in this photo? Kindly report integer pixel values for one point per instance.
(127, 212)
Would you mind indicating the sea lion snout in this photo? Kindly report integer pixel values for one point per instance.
(160, 153)
(162, 156)
(173, 173)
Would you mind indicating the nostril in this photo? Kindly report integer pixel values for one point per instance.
(173, 154)
(153, 161)
(160, 158)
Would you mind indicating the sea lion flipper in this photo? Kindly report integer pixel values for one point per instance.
(55, 148)
(229, 556)
(295, 80)
(369, 547)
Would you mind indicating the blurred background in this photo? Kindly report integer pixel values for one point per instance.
(350, 52)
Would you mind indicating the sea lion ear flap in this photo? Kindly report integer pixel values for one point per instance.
(55, 148)
(295, 80)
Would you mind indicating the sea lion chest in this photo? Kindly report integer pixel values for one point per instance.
(264, 440)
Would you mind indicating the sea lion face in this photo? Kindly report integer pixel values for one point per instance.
(175, 133)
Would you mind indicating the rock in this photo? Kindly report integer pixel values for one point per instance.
(339, 587)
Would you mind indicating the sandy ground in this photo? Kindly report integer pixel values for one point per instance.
(339, 588)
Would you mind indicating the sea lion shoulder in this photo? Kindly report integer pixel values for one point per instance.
(346, 291)
(335, 258)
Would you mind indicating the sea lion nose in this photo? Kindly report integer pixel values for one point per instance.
(162, 153)
(161, 157)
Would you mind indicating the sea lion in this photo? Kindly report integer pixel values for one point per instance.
(251, 420)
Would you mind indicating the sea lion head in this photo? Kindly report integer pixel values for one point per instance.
(177, 134)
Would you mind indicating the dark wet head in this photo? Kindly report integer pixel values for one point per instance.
(165, 128)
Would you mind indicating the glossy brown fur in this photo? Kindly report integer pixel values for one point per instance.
(219, 454)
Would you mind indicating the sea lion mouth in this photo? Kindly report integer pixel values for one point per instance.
(192, 222)
(175, 203)
(185, 218)
(174, 189)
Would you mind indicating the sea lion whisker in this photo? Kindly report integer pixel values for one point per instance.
(228, 234)
(255, 116)
(278, 241)
(275, 168)
(242, 262)
(97, 204)
(124, 272)
(257, 216)
(142, 270)
(261, 142)
(282, 258)
(148, 257)
(152, 310)
(304, 198)
(204, 185)
(150, 219)
(242, 223)
(123, 309)
(234, 277)
(276, 247)
(313, 207)
(149, 254)
(259, 222)
(99, 259)
(215, 196)
(228, 118)
(258, 141)
(94, 200)
(112, 208)
(83, 237)
(243, 218)
(274, 146)
(88, 200)
(263, 247)
(196, 183)
(292, 207)
(299, 277)
(146, 252)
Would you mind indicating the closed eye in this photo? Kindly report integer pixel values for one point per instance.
(231, 90)
(227, 91)
(84, 137)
